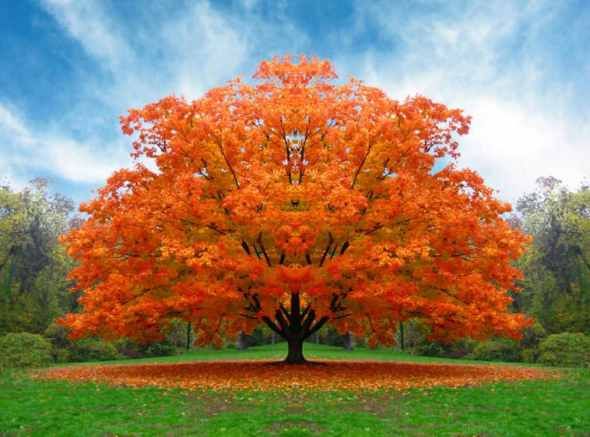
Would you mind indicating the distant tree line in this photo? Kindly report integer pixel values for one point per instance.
(555, 289)
(33, 266)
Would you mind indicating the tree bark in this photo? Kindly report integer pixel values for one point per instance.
(348, 341)
(295, 326)
(295, 355)
(241, 342)
(188, 335)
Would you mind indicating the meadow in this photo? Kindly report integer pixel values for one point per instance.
(556, 406)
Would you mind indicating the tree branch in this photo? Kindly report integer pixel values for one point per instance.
(308, 321)
(231, 169)
(273, 326)
(259, 241)
(358, 170)
(282, 321)
(316, 327)
(330, 241)
(345, 246)
(285, 312)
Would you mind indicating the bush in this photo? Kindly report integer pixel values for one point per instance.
(61, 355)
(332, 337)
(160, 349)
(131, 349)
(530, 355)
(24, 350)
(496, 350)
(458, 349)
(93, 350)
(565, 349)
(532, 336)
(58, 336)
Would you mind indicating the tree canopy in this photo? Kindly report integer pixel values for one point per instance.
(33, 266)
(557, 266)
(295, 201)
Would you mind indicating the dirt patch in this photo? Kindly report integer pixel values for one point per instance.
(261, 376)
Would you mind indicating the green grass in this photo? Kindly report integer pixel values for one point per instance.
(312, 352)
(535, 408)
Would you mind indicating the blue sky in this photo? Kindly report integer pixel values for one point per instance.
(70, 68)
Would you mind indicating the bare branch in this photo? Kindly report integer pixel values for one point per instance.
(259, 241)
(273, 326)
(330, 241)
(246, 247)
(362, 164)
(316, 327)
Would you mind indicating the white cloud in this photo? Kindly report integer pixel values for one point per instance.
(169, 51)
(88, 22)
(13, 125)
(511, 145)
(488, 60)
(205, 48)
(32, 150)
(160, 52)
(486, 57)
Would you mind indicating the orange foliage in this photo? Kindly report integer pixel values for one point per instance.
(295, 186)
(333, 375)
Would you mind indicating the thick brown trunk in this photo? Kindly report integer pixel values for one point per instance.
(295, 326)
(295, 355)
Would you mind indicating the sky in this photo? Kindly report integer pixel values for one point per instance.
(70, 68)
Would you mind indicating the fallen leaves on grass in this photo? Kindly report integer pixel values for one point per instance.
(263, 376)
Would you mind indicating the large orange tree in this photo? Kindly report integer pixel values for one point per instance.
(295, 202)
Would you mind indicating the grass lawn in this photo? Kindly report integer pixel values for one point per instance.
(535, 408)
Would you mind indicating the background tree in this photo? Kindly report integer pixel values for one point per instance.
(33, 266)
(557, 267)
(295, 202)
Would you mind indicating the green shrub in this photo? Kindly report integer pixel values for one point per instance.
(24, 350)
(457, 349)
(530, 355)
(160, 349)
(496, 350)
(91, 349)
(532, 336)
(58, 336)
(61, 355)
(429, 349)
(565, 349)
(131, 349)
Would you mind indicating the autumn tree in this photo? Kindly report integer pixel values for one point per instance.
(295, 201)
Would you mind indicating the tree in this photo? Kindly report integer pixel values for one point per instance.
(295, 202)
(33, 267)
(557, 266)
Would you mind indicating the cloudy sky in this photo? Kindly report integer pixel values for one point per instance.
(69, 68)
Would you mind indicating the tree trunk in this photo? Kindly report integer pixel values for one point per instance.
(348, 341)
(188, 335)
(295, 326)
(241, 342)
(295, 355)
